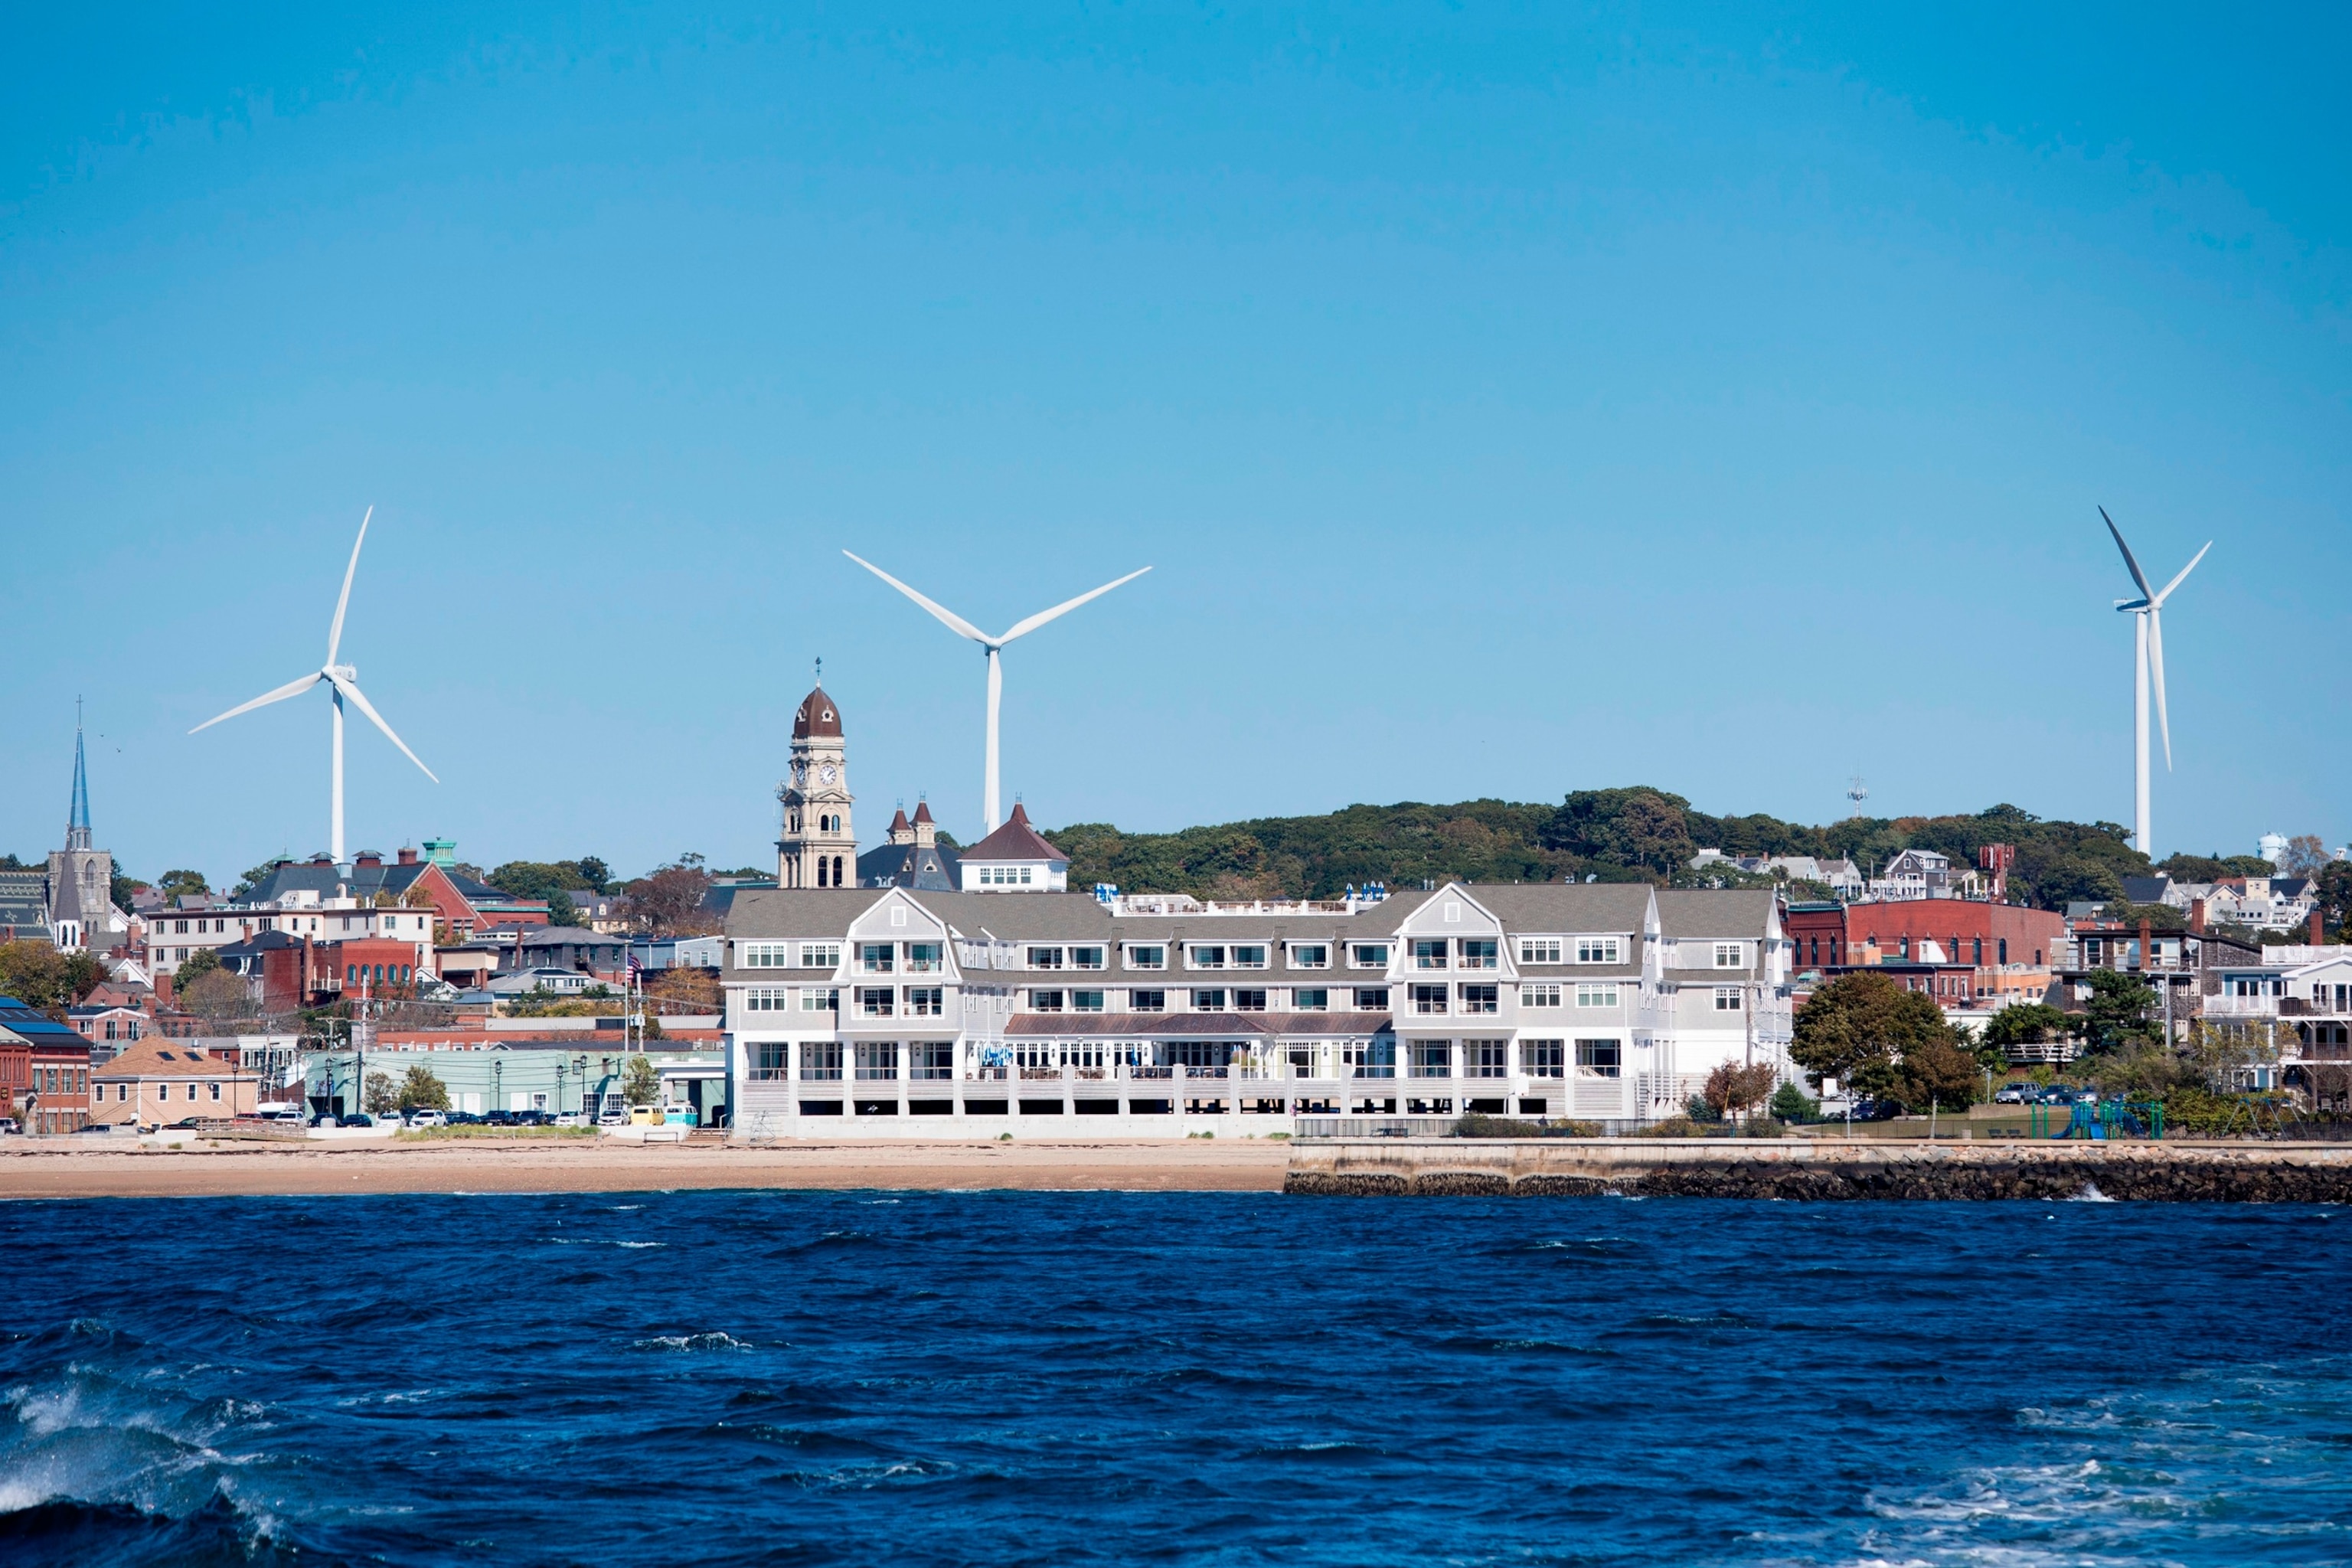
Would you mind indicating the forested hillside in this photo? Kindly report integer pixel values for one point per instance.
(1638, 834)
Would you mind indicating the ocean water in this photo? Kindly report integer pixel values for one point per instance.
(1016, 1378)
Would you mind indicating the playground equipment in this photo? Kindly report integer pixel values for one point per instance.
(2099, 1120)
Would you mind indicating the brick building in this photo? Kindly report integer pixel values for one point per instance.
(2005, 951)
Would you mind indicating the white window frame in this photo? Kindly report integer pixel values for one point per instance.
(878, 957)
(1134, 951)
(820, 956)
(1728, 999)
(1248, 955)
(1601, 950)
(1087, 1000)
(1540, 950)
(1587, 1063)
(1539, 994)
(1596, 994)
(1544, 1057)
(1296, 954)
(1478, 962)
(1042, 957)
(767, 999)
(1202, 1005)
(1088, 955)
(764, 955)
(1193, 950)
(1134, 1003)
(1358, 950)
(1299, 1002)
(1426, 947)
(1429, 1000)
(820, 998)
(1730, 955)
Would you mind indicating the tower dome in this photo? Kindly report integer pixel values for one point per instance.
(817, 716)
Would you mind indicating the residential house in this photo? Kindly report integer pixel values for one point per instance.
(1015, 858)
(163, 1083)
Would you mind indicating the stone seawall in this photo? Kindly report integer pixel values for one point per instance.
(1826, 1169)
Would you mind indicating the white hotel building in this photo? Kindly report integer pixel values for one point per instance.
(882, 1011)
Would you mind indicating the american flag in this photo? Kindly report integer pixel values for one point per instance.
(637, 964)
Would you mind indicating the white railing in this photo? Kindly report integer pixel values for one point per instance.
(2241, 1006)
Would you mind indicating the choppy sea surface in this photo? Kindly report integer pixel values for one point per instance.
(1014, 1378)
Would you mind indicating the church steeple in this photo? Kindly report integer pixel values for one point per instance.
(77, 817)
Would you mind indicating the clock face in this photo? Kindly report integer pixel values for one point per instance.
(827, 773)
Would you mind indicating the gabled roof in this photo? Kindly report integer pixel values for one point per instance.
(1015, 840)
(927, 868)
(1724, 911)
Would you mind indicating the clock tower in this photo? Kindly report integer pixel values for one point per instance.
(817, 848)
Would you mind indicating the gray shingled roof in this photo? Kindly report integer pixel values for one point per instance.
(1725, 912)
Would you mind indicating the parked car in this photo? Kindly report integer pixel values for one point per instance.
(282, 1115)
(463, 1119)
(357, 1118)
(614, 1116)
(1876, 1110)
(2015, 1094)
(570, 1119)
(428, 1119)
(10, 1124)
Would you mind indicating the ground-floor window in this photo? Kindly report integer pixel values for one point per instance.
(771, 1060)
(1542, 1058)
(821, 1059)
(878, 1059)
(930, 1059)
(1486, 1058)
(1432, 1059)
(1599, 1059)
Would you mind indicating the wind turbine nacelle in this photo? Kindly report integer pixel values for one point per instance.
(349, 672)
(2131, 604)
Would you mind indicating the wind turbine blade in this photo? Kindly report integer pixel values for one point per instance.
(2169, 587)
(352, 694)
(2155, 673)
(947, 617)
(1024, 627)
(291, 689)
(335, 632)
(2138, 576)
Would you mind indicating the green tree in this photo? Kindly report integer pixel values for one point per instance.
(594, 873)
(1731, 1093)
(123, 888)
(201, 963)
(2027, 1024)
(1790, 1103)
(381, 1099)
(182, 884)
(2335, 896)
(2123, 1010)
(41, 977)
(420, 1089)
(1858, 1029)
(561, 912)
(640, 1085)
(1941, 1073)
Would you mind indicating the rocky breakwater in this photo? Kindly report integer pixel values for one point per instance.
(1830, 1169)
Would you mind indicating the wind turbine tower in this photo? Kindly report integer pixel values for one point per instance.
(2148, 667)
(344, 680)
(994, 645)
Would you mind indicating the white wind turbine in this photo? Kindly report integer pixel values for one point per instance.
(344, 679)
(2147, 659)
(994, 645)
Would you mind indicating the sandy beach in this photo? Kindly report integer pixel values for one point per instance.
(61, 1170)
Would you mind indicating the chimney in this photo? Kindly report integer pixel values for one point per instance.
(2318, 930)
(408, 856)
(370, 859)
(2197, 916)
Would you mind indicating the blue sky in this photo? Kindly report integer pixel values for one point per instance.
(1510, 400)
